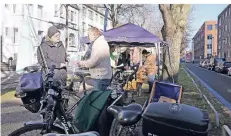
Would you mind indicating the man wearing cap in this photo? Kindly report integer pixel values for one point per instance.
(54, 54)
(150, 67)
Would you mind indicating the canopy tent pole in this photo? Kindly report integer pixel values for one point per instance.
(158, 53)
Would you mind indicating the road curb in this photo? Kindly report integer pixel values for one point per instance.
(218, 96)
(203, 96)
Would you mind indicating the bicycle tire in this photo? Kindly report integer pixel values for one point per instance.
(33, 127)
(114, 126)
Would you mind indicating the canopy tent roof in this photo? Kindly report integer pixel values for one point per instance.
(128, 34)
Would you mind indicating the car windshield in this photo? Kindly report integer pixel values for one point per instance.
(227, 64)
(220, 59)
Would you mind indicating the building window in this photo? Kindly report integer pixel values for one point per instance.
(229, 27)
(69, 14)
(219, 45)
(75, 17)
(40, 35)
(226, 27)
(209, 27)
(84, 27)
(72, 15)
(6, 31)
(209, 46)
(208, 55)
(22, 8)
(101, 20)
(226, 13)
(90, 14)
(15, 36)
(219, 21)
(62, 11)
(219, 33)
(14, 8)
(40, 11)
(230, 11)
(96, 17)
(56, 10)
(31, 13)
(209, 36)
(84, 11)
(71, 40)
(225, 41)
(216, 26)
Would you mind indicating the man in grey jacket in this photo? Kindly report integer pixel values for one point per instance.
(99, 61)
(54, 54)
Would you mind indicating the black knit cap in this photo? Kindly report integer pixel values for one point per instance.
(145, 52)
(51, 31)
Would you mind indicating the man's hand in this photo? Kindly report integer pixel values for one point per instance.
(80, 63)
(63, 65)
(126, 67)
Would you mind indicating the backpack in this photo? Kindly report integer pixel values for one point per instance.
(89, 110)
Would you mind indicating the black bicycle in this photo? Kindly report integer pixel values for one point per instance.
(52, 107)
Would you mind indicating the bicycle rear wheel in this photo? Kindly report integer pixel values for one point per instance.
(35, 130)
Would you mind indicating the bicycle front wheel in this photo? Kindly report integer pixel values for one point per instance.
(35, 130)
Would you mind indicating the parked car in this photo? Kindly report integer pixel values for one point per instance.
(201, 62)
(223, 67)
(214, 62)
(205, 64)
(229, 72)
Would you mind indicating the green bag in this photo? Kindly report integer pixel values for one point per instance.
(89, 109)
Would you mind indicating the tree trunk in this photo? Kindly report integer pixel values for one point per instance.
(174, 17)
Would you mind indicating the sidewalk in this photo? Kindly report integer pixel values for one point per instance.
(9, 82)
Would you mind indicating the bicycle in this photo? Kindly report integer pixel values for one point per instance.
(52, 109)
(158, 119)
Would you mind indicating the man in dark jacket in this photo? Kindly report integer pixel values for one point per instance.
(124, 59)
(54, 54)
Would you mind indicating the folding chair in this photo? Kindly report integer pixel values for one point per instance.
(165, 91)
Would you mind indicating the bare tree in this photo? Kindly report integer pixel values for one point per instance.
(175, 20)
(186, 39)
(154, 21)
(121, 12)
(137, 14)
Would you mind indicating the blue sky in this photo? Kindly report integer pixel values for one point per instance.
(205, 12)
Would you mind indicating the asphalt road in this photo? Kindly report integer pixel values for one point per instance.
(13, 116)
(219, 82)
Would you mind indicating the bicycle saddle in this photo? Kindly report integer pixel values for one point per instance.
(127, 115)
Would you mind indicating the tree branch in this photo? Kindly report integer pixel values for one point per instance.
(167, 18)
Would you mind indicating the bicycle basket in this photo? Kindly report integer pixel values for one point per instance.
(32, 85)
